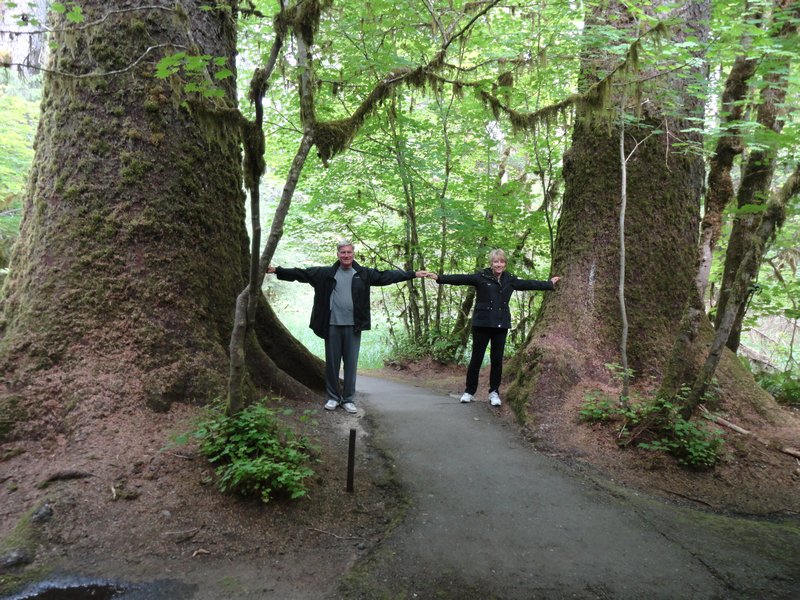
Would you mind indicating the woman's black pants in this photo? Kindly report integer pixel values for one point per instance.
(481, 337)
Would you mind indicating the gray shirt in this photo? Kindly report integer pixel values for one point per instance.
(342, 298)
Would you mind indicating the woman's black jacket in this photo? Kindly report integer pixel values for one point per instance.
(323, 280)
(492, 296)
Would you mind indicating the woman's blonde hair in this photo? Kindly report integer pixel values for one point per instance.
(497, 253)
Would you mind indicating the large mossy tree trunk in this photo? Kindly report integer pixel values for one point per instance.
(578, 329)
(133, 245)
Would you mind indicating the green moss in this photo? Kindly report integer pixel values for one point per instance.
(133, 134)
(134, 168)
(15, 583)
(25, 537)
(100, 147)
(12, 411)
(72, 193)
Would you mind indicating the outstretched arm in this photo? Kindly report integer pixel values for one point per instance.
(465, 279)
(378, 277)
(535, 284)
(303, 275)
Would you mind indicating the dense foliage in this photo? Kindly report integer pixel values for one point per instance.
(253, 454)
(19, 112)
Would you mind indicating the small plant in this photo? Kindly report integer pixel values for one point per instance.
(618, 371)
(692, 444)
(658, 425)
(253, 454)
(784, 387)
(597, 407)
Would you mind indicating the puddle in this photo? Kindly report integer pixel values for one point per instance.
(76, 588)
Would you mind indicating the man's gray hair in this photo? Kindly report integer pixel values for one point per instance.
(345, 242)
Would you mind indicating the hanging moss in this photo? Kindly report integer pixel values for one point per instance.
(253, 143)
(506, 79)
(590, 106)
(333, 137)
(303, 17)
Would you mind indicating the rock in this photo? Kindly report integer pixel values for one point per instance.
(42, 514)
(15, 557)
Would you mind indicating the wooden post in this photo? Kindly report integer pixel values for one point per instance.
(351, 460)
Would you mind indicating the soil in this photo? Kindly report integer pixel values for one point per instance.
(127, 504)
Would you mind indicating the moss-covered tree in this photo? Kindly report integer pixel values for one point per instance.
(578, 329)
(133, 244)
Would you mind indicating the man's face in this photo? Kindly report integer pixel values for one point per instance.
(345, 255)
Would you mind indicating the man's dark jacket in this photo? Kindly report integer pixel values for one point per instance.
(323, 280)
(492, 296)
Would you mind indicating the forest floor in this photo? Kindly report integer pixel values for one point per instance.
(127, 505)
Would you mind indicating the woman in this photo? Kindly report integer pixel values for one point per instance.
(491, 318)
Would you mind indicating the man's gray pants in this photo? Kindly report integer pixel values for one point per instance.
(342, 345)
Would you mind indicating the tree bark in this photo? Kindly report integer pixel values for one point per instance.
(578, 328)
(132, 245)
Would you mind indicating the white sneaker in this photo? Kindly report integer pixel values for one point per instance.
(331, 405)
(494, 399)
(350, 407)
(467, 397)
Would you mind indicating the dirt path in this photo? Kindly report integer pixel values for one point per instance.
(492, 518)
(489, 516)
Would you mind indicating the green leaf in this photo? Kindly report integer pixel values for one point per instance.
(75, 15)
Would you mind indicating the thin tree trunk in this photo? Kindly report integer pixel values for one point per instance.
(720, 184)
(244, 316)
(756, 181)
(623, 160)
(448, 151)
(771, 220)
(248, 299)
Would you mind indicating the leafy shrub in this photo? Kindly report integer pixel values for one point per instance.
(435, 344)
(659, 427)
(597, 407)
(783, 386)
(254, 454)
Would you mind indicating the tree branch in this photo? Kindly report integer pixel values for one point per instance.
(85, 26)
(91, 75)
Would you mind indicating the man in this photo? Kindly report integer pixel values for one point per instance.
(340, 313)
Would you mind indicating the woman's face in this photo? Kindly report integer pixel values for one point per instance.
(498, 266)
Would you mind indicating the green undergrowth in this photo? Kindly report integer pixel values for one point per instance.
(784, 387)
(25, 539)
(254, 454)
(657, 425)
